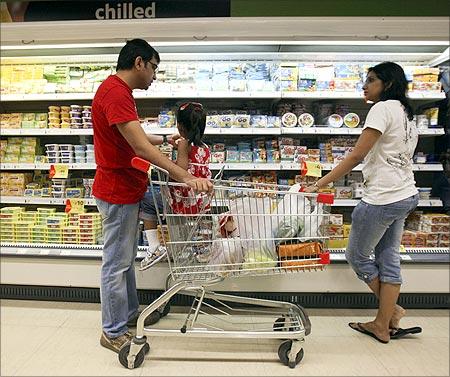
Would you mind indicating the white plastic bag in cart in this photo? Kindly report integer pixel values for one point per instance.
(226, 254)
(255, 229)
(297, 216)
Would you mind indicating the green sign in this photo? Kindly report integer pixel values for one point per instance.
(339, 8)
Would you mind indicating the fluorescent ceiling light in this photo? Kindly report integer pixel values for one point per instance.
(32, 46)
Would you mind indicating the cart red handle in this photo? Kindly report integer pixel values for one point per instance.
(140, 164)
(325, 198)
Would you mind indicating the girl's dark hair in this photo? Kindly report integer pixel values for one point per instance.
(391, 73)
(193, 118)
(133, 49)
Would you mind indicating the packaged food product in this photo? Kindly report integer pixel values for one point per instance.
(289, 120)
(246, 156)
(258, 121)
(306, 120)
(299, 250)
(226, 120)
(335, 219)
(335, 121)
(218, 157)
(232, 155)
(433, 114)
(28, 116)
(241, 121)
(273, 155)
(351, 120)
(287, 152)
(259, 155)
(344, 193)
(212, 121)
(56, 109)
(422, 121)
(273, 121)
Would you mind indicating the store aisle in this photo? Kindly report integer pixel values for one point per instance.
(46, 338)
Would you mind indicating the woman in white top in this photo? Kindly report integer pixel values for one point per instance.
(386, 145)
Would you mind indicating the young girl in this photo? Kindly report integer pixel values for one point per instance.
(387, 145)
(192, 155)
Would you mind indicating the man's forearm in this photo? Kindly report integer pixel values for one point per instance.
(155, 139)
(152, 154)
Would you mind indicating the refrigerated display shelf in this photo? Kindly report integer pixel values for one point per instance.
(211, 94)
(411, 254)
(214, 166)
(91, 201)
(40, 200)
(420, 255)
(316, 130)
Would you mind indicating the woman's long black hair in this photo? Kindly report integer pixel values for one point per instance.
(395, 84)
(193, 118)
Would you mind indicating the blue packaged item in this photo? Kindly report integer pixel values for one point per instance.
(258, 121)
(307, 85)
(246, 156)
(232, 155)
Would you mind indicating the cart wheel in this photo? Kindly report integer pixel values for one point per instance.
(125, 350)
(279, 324)
(283, 354)
(166, 310)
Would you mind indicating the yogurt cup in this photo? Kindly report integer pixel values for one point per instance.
(351, 120)
(65, 147)
(306, 120)
(52, 147)
(335, 121)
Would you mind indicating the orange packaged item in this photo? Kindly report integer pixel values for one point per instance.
(306, 249)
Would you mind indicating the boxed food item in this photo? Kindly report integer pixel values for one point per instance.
(421, 239)
(344, 192)
(335, 219)
(408, 238)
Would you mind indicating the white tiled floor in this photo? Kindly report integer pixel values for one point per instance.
(45, 338)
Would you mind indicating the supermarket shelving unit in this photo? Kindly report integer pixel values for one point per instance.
(78, 265)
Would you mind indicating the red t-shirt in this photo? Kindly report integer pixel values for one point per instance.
(115, 180)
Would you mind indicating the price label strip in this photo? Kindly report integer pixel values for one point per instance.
(311, 169)
(74, 206)
(59, 171)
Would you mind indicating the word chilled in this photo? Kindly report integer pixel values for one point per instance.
(125, 11)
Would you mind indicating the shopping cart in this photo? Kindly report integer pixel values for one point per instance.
(240, 229)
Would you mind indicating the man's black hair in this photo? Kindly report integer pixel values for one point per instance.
(133, 49)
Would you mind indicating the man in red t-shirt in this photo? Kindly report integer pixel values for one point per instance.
(119, 188)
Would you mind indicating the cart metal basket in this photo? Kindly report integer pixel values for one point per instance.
(240, 229)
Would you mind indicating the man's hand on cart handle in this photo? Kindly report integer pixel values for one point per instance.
(199, 184)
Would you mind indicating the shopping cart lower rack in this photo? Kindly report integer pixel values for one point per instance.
(240, 229)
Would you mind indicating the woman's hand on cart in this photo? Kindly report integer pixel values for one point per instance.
(310, 189)
(199, 184)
